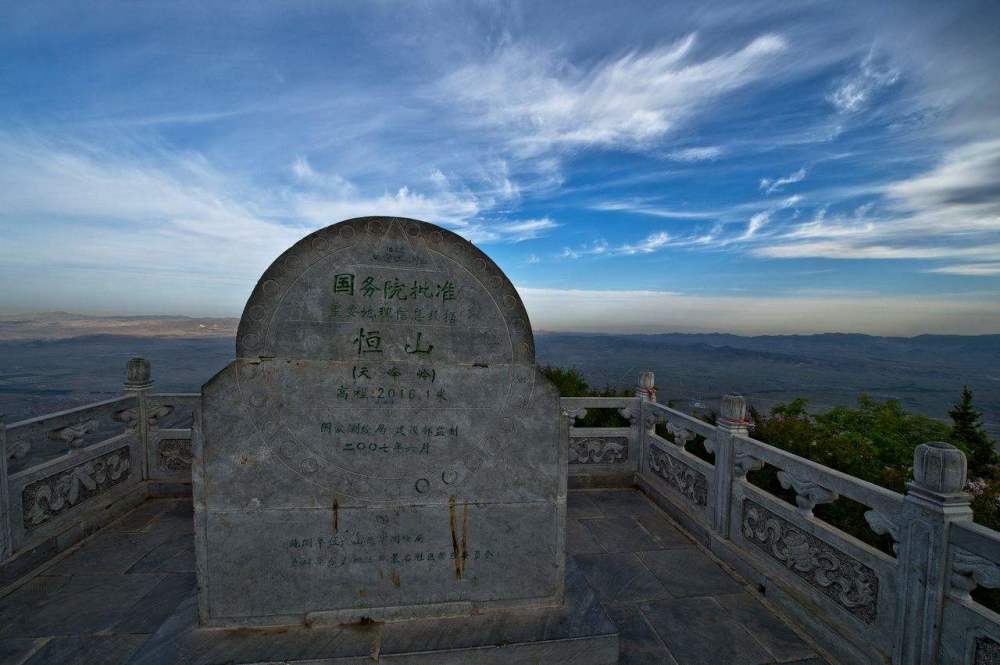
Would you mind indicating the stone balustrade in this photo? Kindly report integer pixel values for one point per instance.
(857, 602)
(64, 475)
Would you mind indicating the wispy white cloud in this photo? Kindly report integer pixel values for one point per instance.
(648, 245)
(760, 219)
(518, 231)
(595, 248)
(175, 213)
(854, 92)
(697, 154)
(950, 211)
(540, 101)
(756, 223)
(532, 259)
(644, 208)
(969, 269)
(769, 185)
(651, 243)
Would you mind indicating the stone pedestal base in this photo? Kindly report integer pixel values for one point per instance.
(578, 633)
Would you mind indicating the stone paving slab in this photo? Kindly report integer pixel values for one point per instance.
(671, 602)
(577, 633)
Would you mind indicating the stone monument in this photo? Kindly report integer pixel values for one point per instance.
(384, 448)
(383, 445)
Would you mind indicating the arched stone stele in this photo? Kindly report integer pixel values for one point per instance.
(383, 444)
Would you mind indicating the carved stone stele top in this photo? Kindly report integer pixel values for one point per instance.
(383, 445)
(430, 275)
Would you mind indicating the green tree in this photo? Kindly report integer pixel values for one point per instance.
(967, 433)
(569, 381)
(873, 441)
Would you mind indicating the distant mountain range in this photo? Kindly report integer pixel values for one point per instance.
(53, 361)
(925, 373)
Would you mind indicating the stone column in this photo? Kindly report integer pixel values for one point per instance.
(139, 382)
(5, 546)
(645, 424)
(934, 500)
(732, 422)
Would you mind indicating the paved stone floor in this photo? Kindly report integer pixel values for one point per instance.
(672, 603)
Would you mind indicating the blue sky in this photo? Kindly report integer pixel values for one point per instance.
(760, 167)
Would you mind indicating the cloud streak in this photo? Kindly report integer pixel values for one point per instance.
(541, 102)
(769, 185)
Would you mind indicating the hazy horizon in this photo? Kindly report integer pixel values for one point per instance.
(51, 316)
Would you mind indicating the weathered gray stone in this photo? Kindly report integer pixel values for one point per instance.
(138, 375)
(383, 446)
(780, 640)
(620, 578)
(577, 632)
(622, 534)
(5, 535)
(638, 644)
(579, 539)
(579, 505)
(697, 631)
(685, 571)
(78, 605)
(90, 650)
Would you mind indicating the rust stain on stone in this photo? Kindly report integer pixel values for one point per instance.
(456, 552)
(459, 545)
(465, 534)
(395, 579)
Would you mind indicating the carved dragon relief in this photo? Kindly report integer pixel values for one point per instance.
(598, 450)
(44, 499)
(845, 580)
(690, 482)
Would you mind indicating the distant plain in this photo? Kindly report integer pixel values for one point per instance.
(51, 362)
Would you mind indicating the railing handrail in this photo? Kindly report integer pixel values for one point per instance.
(68, 412)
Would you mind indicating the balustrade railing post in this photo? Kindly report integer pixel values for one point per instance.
(934, 500)
(5, 544)
(645, 390)
(139, 382)
(732, 421)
